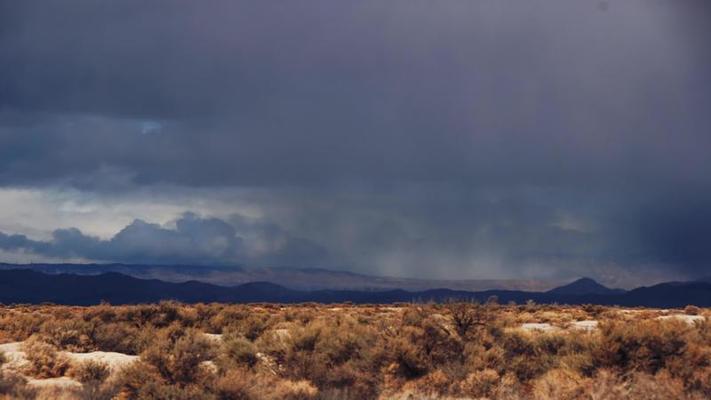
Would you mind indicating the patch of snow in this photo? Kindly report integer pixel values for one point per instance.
(14, 355)
(538, 326)
(210, 366)
(61, 382)
(282, 334)
(213, 336)
(587, 325)
(114, 361)
(689, 319)
(17, 360)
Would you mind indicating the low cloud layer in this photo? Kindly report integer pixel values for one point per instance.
(191, 241)
(472, 139)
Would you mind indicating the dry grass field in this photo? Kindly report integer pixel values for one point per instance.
(310, 351)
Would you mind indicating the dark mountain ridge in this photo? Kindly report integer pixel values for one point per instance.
(584, 286)
(293, 278)
(27, 286)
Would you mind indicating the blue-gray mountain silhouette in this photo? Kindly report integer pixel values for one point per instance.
(584, 286)
(26, 286)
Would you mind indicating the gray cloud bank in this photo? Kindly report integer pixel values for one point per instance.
(485, 137)
(192, 240)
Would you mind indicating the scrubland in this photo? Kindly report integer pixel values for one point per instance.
(310, 351)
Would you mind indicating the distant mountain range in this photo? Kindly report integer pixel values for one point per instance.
(30, 286)
(584, 286)
(292, 278)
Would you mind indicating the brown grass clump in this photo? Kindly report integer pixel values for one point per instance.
(482, 383)
(13, 386)
(44, 361)
(178, 353)
(237, 351)
(90, 372)
(241, 384)
(646, 346)
(692, 310)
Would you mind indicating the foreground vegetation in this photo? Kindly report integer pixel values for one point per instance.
(309, 351)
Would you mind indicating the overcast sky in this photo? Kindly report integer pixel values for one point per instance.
(436, 139)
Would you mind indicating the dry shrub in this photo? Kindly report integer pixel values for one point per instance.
(560, 384)
(236, 350)
(143, 381)
(467, 316)
(434, 383)
(121, 337)
(410, 359)
(607, 384)
(20, 325)
(44, 361)
(659, 386)
(482, 383)
(90, 372)
(13, 386)
(177, 354)
(529, 355)
(137, 378)
(252, 326)
(242, 384)
(338, 355)
(275, 343)
(699, 381)
(227, 316)
(418, 350)
(237, 384)
(692, 310)
(294, 390)
(348, 352)
(68, 334)
(645, 346)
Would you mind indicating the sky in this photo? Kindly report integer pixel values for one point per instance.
(546, 139)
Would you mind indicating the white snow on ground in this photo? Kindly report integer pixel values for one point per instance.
(213, 336)
(587, 325)
(539, 326)
(689, 319)
(14, 355)
(114, 361)
(16, 361)
(591, 325)
(209, 365)
(61, 382)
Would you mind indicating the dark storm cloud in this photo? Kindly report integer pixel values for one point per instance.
(537, 92)
(470, 129)
(193, 240)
